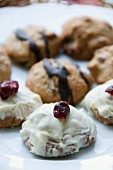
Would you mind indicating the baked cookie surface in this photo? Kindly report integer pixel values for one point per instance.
(99, 102)
(5, 65)
(101, 66)
(82, 36)
(15, 109)
(31, 44)
(56, 80)
(49, 136)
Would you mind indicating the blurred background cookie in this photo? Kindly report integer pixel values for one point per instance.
(5, 65)
(56, 80)
(101, 66)
(31, 44)
(82, 36)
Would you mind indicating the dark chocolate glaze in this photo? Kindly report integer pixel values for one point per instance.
(62, 73)
(84, 78)
(45, 38)
(82, 75)
(22, 35)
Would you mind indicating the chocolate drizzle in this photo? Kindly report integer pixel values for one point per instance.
(82, 75)
(45, 38)
(62, 73)
(84, 78)
(22, 35)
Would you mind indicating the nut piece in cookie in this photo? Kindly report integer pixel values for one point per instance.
(16, 105)
(50, 136)
(82, 36)
(101, 66)
(56, 80)
(5, 65)
(31, 44)
(99, 102)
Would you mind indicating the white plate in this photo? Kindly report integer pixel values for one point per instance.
(14, 155)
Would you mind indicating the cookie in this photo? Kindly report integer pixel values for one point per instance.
(49, 136)
(56, 80)
(31, 44)
(16, 105)
(82, 36)
(101, 66)
(5, 65)
(99, 102)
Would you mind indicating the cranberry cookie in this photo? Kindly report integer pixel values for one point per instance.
(16, 105)
(49, 135)
(99, 102)
(82, 36)
(101, 66)
(31, 44)
(5, 65)
(56, 80)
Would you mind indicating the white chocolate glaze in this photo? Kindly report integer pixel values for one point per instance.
(99, 101)
(20, 105)
(50, 137)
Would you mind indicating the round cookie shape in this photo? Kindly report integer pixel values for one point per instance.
(48, 136)
(5, 65)
(82, 36)
(32, 44)
(100, 103)
(17, 107)
(56, 80)
(101, 66)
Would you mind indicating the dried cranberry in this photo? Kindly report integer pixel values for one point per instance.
(109, 90)
(8, 88)
(61, 110)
